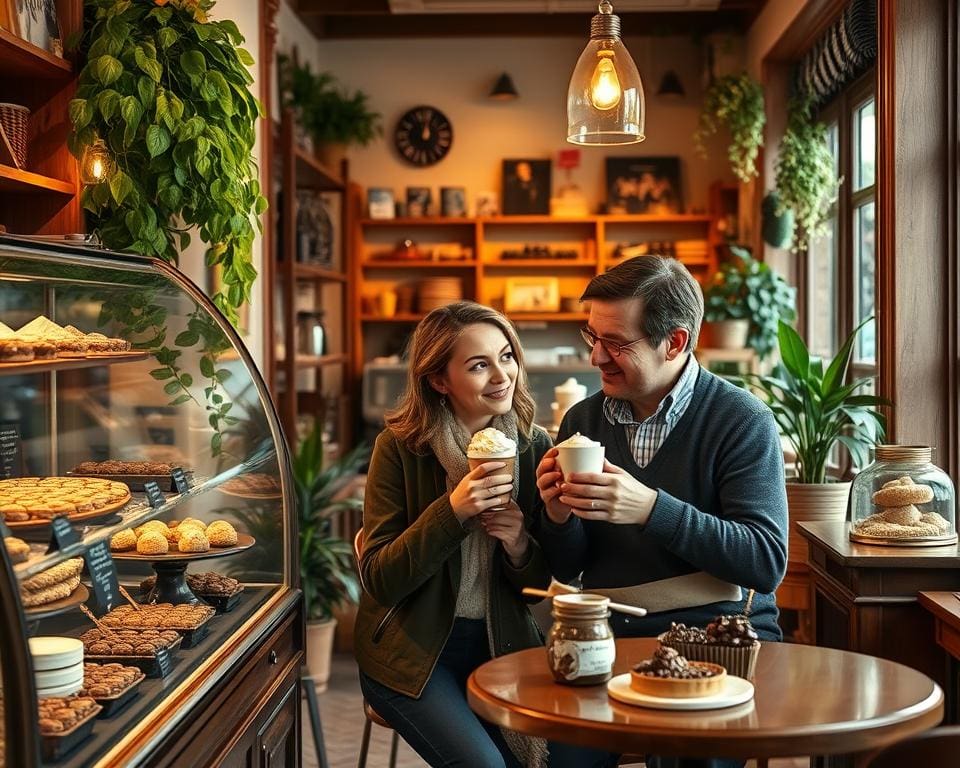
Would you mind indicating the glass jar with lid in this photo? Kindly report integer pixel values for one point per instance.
(580, 645)
(903, 499)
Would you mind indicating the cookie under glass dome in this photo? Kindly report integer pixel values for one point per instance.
(903, 499)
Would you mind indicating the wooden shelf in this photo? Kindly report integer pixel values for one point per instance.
(311, 173)
(15, 180)
(404, 318)
(20, 59)
(311, 361)
(310, 272)
(417, 264)
(70, 363)
(670, 218)
(552, 263)
(419, 221)
(546, 316)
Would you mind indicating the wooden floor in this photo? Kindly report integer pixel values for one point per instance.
(341, 711)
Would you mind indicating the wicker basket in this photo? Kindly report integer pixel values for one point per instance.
(13, 119)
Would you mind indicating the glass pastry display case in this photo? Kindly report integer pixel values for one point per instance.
(149, 579)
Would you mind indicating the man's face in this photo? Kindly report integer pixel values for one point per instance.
(638, 371)
(524, 173)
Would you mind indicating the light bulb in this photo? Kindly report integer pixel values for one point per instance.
(96, 164)
(605, 92)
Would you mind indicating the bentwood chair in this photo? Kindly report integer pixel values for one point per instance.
(936, 748)
(369, 712)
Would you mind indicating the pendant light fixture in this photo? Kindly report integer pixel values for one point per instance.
(605, 99)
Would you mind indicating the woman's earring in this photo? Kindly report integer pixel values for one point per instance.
(443, 401)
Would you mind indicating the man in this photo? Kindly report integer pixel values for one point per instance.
(689, 514)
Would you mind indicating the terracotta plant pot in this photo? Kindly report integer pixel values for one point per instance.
(320, 636)
(726, 334)
(331, 155)
(813, 502)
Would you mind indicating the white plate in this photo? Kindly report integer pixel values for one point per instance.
(735, 691)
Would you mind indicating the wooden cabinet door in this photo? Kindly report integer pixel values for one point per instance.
(279, 736)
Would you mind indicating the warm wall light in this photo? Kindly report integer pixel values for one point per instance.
(605, 99)
(670, 86)
(504, 89)
(96, 164)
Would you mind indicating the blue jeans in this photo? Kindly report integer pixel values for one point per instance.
(441, 727)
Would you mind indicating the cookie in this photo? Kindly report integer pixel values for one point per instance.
(193, 540)
(901, 492)
(222, 534)
(123, 541)
(152, 543)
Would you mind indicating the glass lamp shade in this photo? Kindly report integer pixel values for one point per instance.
(96, 165)
(605, 103)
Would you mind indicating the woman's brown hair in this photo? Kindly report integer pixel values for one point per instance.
(413, 421)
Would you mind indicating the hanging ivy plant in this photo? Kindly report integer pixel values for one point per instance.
(734, 102)
(805, 177)
(167, 89)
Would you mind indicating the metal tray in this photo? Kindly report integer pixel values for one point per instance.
(113, 704)
(223, 603)
(55, 745)
(147, 664)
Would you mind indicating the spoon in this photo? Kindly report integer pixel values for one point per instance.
(619, 607)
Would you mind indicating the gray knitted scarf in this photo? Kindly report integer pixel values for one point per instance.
(450, 447)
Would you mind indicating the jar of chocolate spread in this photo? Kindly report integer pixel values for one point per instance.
(580, 645)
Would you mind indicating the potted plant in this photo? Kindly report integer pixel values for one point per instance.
(743, 303)
(805, 177)
(327, 574)
(329, 114)
(736, 103)
(816, 410)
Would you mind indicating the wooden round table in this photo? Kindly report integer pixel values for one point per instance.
(808, 701)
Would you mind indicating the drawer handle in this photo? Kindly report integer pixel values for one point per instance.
(273, 657)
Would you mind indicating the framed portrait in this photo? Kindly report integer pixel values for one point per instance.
(644, 185)
(488, 204)
(36, 22)
(453, 201)
(380, 203)
(526, 187)
(531, 294)
(419, 200)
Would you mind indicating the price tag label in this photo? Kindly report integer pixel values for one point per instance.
(4, 530)
(62, 534)
(103, 577)
(180, 480)
(9, 450)
(154, 494)
(164, 662)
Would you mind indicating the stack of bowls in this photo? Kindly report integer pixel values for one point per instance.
(439, 291)
(57, 665)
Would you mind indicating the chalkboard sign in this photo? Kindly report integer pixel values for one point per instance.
(154, 494)
(180, 480)
(62, 534)
(9, 450)
(164, 662)
(4, 530)
(103, 577)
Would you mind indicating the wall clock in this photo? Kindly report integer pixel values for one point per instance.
(423, 136)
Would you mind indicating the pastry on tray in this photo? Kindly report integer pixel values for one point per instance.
(112, 467)
(158, 616)
(26, 498)
(107, 681)
(208, 584)
(669, 675)
(17, 549)
(58, 714)
(56, 583)
(253, 484)
(127, 642)
(188, 535)
(15, 351)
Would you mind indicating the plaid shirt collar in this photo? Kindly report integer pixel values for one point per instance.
(670, 409)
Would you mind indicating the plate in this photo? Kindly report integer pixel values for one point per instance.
(38, 612)
(38, 523)
(735, 691)
(244, 541)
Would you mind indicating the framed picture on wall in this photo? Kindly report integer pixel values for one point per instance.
(453, 201)
(36, 22)
(526, 187)
(531, 294)
(419, 200)
(648, 185)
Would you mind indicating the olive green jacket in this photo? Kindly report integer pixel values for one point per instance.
(410, 566)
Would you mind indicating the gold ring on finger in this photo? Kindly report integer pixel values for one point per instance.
(593, 503)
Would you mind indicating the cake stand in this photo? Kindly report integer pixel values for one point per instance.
(171, 569)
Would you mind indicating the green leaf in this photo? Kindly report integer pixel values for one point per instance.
(186, 379)
(162, 373)
(232, 30)
(244, 55)
(108, 102)
(131, 111)
(206, 367)
(121, 186)
(81, 113)
(107, 69)
(147, 90)
(172, 387)
(179, 400)
(186, 339)
(193, 63)
(158, 140)
(222, 375)
(166, 37)
(794, 352)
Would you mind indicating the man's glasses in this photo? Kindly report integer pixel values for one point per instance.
(614, 348)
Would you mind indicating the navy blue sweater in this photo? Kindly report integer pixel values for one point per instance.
(721, 508)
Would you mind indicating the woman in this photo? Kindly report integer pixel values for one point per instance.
(448, 550)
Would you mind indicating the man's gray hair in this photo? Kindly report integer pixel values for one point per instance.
(672, 298)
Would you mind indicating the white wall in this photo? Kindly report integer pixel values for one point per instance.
(455, 76)
(246, 14)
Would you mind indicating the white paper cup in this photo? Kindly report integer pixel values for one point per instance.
(476, 461)
(580, 458)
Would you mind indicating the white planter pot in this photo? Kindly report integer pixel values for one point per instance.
(320, 650)
(727, 334)
(813, 502)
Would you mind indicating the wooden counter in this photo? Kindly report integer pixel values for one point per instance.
(866, 597)
(945, 608)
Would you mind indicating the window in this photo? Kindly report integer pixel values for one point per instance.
(839, 269)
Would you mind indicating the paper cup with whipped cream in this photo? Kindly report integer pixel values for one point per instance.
(578, 453)
(491, 444)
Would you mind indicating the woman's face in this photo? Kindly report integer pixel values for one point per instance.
(480, 377)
